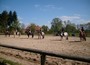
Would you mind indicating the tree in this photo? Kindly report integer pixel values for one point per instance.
(15, 23)
(8, 21)
(56, 25)
(10, 18)
(3, 20)
(31, 27)
(15, 16)
(70, 27)
(88, 26)
(45, 28)
(22, 28)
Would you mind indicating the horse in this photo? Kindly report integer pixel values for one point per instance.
(37, 30)
(16, 33)
(43, 35)
(40, 32)
(7, 33)
(28, 33)
(82, 35)
(64, 34)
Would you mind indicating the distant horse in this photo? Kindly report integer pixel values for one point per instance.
(82, 34)
(7, 33)
(16, 33)
(29, 33)
(64, 34)
(41, 34)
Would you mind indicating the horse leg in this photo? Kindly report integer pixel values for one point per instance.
(43, 36)
(32, 35)
(66, 37)
(38, 35)
(84, 38)
(61, 37)
(28, 35)
(80, 38)
(9, 34)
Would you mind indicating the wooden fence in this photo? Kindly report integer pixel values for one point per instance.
(44, 53)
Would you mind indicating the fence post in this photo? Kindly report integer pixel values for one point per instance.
(43, 58)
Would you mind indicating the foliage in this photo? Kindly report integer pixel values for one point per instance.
(56, 25)
(10, 18)
(9, 21)
(86, 28)
(3, 21)
(31, 27)
(45, 29)
(70, 27)
(22, 28)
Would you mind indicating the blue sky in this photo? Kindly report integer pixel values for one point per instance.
(41, 12)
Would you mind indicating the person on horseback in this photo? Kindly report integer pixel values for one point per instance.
(82, 34)
(7, 33)
(62, 33)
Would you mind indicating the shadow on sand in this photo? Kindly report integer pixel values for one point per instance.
(56, 40)
(31, 38)
(24, 38)
(75, 41)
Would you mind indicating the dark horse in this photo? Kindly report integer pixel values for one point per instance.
(7, 33)
(82, 34)
(29, 33)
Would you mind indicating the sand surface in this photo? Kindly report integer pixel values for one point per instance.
(51, 43)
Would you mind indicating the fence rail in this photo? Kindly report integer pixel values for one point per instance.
(44, 53)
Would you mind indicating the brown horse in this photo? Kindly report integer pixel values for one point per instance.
(82, 34)
(28, 32)
(7, 33)
(41, 34)
(38, 30)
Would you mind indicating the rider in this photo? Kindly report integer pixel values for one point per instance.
(82, 34)
(62, 33)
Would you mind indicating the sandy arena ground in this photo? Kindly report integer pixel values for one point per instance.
(73, 46)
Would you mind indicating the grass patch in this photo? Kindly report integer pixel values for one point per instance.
(7, 62)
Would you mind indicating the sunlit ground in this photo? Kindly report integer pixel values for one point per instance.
(50, 43)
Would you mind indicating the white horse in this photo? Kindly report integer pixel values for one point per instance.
(16, 33)
(43, 35)
(64, 34)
